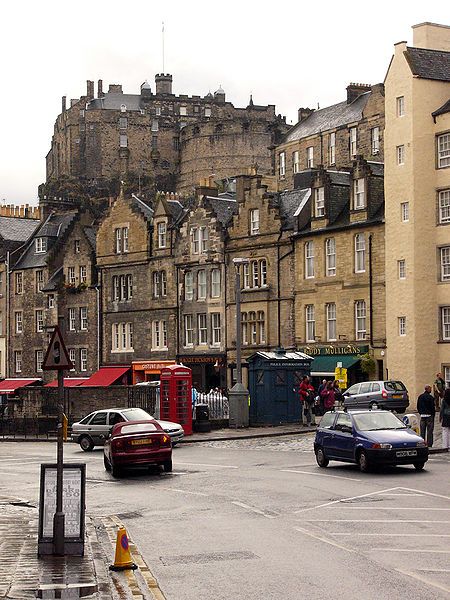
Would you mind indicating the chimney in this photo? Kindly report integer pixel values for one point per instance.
(207, 187)
(100, 88)
(432, 36)
(63, 104)
(89, 89)
(115, 88)
(163, 83)
(354, 90)
(304, 113)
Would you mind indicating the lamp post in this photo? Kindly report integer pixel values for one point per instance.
(238, 393)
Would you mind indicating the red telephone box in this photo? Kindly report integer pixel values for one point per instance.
(176, 396)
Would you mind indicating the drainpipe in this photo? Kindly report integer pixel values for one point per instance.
(177, 325)
(279, 259)
(99, 324)
(8, 307)
(370, 292)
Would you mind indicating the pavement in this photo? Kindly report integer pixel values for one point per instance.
(23, 575)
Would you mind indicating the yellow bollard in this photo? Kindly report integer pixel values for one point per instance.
(122, 560)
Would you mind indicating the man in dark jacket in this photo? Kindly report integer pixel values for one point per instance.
(426, 409)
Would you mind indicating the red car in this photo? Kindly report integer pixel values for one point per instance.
(137, 444)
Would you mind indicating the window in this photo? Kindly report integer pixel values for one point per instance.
(39, 359)
(282, 159)
(360, 320)
(201, 285)
(400, 155)
(118, 238)
(72, 358)
(154, 142)
(444, 206)
(254, 221)
(375, 139)
(163, 281)
(331, 322)
(246, 277)
(83, 318)
(183, 111)
(156, 284)
(51, 301)
(309, 260)
(18, 280)
(155, 125)
(71, 279)
(188, 330)
(244, 327)
(295, 162)
(330, 257)
(121, 240)
(445, 263)
(353, 141)
(123, 141)
(202, 329)
(188, 286)
(255, 273)
(39, 280)
(83, 274)
(404, 211)
(401, 268)
(319, 202)
(443, 150)
(122, 337)
(83, 359)
(158, 111)
(253, 327)
(445, 321)
(125, 239)
(310, 157)
(176, 143)
(359, 200)
(123, 108)
(261, 327)
(204, 239)
(162, 239)
(39, 319)
(76, 246)
(207, 112)
(263, 272)
(18, 361)
(332, 148)
(40, 245)
(310, 323)
(123, 122)
(1, 323)
(72, 323)
(159, 335)
(400, 106)
(18, 318)
(401, 326)
(360, 253)
(215, 328)
(195, 240)
(215, 283)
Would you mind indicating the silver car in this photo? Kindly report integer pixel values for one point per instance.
(95, 428)
(388, 395)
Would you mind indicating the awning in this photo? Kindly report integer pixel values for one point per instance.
(325, 365)
(9, 386)
(68, 382)
(106, 376)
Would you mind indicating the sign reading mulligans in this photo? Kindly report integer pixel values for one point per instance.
(331, 350)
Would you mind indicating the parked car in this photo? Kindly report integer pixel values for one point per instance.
(137, 444)
(95, 427)
(368, 438)
(389, 395)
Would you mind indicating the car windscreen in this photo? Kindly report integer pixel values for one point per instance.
(394, 386)
(136, 414)
(374, 421)
(138, 428)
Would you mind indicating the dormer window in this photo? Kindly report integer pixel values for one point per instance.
(319, 202)
(162, 235)
(254, 221)
(359, 197)
(40, 245)
(123, 108)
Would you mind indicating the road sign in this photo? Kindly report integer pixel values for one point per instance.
(340, 374)
(57, 357)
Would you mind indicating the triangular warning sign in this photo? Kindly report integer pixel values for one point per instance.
(57, 357)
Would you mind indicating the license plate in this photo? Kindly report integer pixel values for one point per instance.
(406, 453)
(140, 442)
(397, 396)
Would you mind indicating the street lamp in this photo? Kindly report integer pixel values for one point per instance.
(238, 393)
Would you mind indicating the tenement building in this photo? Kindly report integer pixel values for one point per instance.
(171, 140)
(417, 154)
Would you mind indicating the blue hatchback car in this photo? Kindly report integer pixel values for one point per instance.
(368, 438)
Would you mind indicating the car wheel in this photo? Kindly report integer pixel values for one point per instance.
(321, 459)
(116, 471)
(419, 466)
(106, 463)
(374, 406)
(167, 466)
(363, 462)
(86, 443)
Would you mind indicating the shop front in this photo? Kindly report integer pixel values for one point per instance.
(328, 358)
(208, 371)
(148, 370)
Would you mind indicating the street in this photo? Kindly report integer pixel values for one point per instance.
(258, 519)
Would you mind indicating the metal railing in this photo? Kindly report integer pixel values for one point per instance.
(28, 427)
(218, 404)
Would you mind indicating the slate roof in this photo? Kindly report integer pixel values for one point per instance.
(429, 64)
(176, 208)
(145, 209)
(445, 108)
(91, 236)
(329, 118)
(224, 207)
(114, 100)
(17, 229)
(377, 168)
(52, 283)
(290, 202)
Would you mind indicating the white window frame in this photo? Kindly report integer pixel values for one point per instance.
(319, 201)
(310, 323)
(156, 280)
(215, 283)
(204, 240)
(261, 320)
(400, 106)
(360, 253)
(39, 320)
(216, 329)
(195, 240)
(72, 319)
(400, 154)
(330, 257)
(282, 164)
(188, 331)
(123, 140)
(445, 263)
(159, 335)
(295, 161)
(18, 361)
(118, 239)
(18, 282)
(443, 150)
(201, 285)
(162, 234)
(353, 141)
(332, 148)
(253, 327)
(359, 193)
(207, 112)
(254, 273)
(73, 358)
(202, 324)
(83, 274)
(375, 140)
(254, 221)
(310, 157)
(83, 318)
(40, 245)
(188, 286)
(51, 301)
(263, 272)
(331, 322)
(445, 323)
(71, 276)
(401, 326)
(360, 320)
(309, 260)
(163, 283)
(244, 328)
(183, 111)
(246, 276)
(38, 359)
(401, 268)
(444, 206)
(39, 280)
(124, 240)
(18, 321)
(83, 359)
(404, 212)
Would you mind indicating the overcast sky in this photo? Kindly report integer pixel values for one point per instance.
(289, 53)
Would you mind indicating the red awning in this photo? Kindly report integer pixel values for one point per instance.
(9, 386)
(106, 376)
(68, 382)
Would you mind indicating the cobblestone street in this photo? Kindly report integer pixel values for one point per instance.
(303, 443)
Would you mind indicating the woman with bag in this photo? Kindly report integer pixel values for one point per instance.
(328, 396)
(444, 418)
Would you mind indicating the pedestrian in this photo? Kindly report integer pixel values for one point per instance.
(319, 400)
(307, 395)
(427, 411)
(438, 389)
(328, 396)
(337, 392)
(444, 418)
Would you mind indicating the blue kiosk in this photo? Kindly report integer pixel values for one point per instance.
(272, 378)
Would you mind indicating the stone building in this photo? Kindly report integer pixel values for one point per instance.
(333, 136)
(417, 154)
(339, 268)
(157, 135)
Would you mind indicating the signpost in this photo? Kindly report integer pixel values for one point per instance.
(340, 374)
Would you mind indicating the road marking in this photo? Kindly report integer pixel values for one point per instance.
(371, 521)
(345, 500)
(208, 465)
(318, 474)
(322, 539)
(424, 580)
(255, 510)
(427, 493)
(418, 550)
(182, 491)
(444, 535)
(434, 570)
(392, 508)
(403, 495)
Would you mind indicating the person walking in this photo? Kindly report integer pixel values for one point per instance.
(328, 396)
(306, 392)
(438, 389)
(319, 399)
(444, 418)
(337, 393)
(426, 409)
